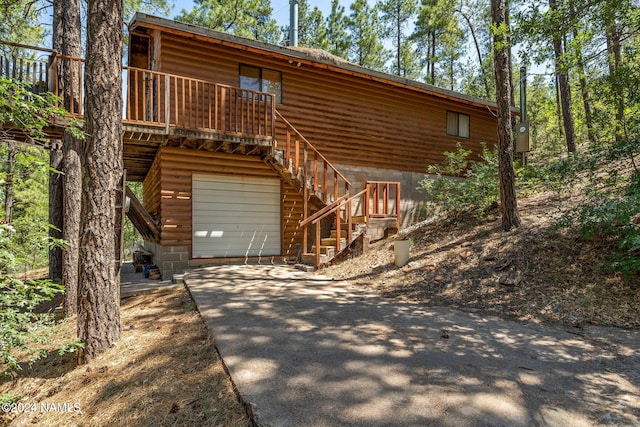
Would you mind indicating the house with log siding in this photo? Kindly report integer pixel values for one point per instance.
(250, 151)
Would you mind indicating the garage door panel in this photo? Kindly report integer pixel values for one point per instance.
(235, 216)
(229, 227)
(250, 184)
(234, 206)
(258, 190)
(239, 223)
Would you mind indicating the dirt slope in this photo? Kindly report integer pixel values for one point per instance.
(534, 273)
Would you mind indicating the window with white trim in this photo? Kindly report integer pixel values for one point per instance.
(458, 124)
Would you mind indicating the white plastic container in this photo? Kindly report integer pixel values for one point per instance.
(401, 250)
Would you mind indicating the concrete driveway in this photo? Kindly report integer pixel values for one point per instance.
(307, 351)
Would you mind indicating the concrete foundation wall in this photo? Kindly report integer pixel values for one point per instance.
(170, 259)
(411, 199)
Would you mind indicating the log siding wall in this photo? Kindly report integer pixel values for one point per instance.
(171, 198)
(350, 119)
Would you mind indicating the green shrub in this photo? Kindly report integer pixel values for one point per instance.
(612, 207)
(21, 328)
(462, 186)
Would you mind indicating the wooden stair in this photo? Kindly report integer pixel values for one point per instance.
(328, 245)
(286, 170)
(324, 188)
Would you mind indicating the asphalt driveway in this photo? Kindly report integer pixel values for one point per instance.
(307, 351)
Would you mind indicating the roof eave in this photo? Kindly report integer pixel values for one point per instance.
(145, 20)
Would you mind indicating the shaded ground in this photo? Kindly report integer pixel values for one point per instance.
(533, 273)
(308, 351)
(164, 371)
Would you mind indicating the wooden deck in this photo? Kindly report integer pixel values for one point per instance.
(160, 109)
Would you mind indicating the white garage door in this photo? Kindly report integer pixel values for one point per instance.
(235, 216)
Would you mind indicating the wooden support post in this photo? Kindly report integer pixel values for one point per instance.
(198, 103)
(338, 230)
(325, 181)
(398, 203)
(315, 171)
(349, 227)
(128, 100)
(145, 108)
(182, 107)
(135, 95)
(305, 215)
(80, 89)
(318, 244)
(167, 103)
(385, 199)
(175, 99)
(287, 148)
(366, 203)
(305, 160)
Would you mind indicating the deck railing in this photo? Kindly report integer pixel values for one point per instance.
(379, 194)
(153, 98)
(169, 100)
(372, 202)
(26, 64)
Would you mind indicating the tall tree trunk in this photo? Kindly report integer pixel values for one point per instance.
(99, 281)
(614, 60)
(56, 219)
(66, 40)
(508, 201)
(477, 45)
(433, 57)
(512, 95)
(564, 87)
(399, 37)
(56, 180)
(582, 78)
(8, 184)
(558, 107)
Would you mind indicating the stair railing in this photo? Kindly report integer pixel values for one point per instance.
(335, 208)
(375, 203)
(314, 171)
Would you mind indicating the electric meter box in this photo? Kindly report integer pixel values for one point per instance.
(522, 138)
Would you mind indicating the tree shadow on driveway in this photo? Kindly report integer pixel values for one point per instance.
(303, 350)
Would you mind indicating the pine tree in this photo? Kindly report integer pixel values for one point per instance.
(438, 38)
(365, 28)
(337, 35)
(67, 41)
(99, 278)
(244, 18)
(508, 201)
(396, 17)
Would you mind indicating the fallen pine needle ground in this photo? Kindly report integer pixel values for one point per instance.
(164, 371)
